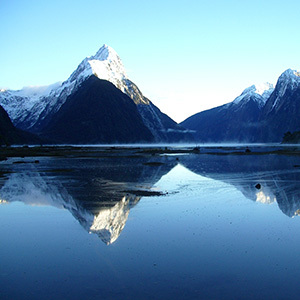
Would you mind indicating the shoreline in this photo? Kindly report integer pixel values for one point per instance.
(145, 150)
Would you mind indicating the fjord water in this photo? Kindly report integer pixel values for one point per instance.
(225, 227)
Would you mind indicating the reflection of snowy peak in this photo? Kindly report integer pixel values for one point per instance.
(109, 222)
(265, 196)
(265, 179)
(31, 189)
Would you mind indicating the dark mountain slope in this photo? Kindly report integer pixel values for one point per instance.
(227, 123)
(97, 112)
(255, 116)
(163, 128)
(10, 135)
(280, 114)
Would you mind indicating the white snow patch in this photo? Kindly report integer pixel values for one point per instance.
(30, 102)
(290, 79)
(258, 92)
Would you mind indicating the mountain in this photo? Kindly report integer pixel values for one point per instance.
(235, 121)
(33, 110)
(259, 114)
(25, 106)
(282, 110)
(97, 112)
(10, 135)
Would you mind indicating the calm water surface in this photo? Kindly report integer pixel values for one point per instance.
(226, 227)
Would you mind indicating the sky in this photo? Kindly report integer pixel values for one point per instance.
(185, 56)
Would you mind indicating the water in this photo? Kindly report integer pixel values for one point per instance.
(225, 227)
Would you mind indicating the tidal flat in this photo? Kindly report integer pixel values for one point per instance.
(150, 222)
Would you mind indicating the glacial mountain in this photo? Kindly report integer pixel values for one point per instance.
(235, 121)
(97, 112)
(259, 114)
(282, 110)
(34, 113)
(24, 106)
(259, 93)
(9, 134)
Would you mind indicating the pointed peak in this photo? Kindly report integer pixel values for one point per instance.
(259, 88)
(290, 73)
(259, 92)
(106, 53)
(289, 78)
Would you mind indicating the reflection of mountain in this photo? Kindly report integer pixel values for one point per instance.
(92, 189)
(262, 178)
(109, 222)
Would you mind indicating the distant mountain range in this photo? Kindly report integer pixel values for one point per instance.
(260, 114)
(98, 103)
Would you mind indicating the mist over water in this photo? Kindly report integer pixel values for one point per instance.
(133, 226)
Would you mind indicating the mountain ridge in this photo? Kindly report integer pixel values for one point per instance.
(105, 65)
(254, 116)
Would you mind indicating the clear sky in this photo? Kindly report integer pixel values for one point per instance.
(185, 56)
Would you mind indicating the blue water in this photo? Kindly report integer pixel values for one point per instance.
(70, 229)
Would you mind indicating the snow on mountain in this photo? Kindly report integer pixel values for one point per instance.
(28, 107)
(17, 103)
(259, 93)
(34, 113)
(106, 64)
(288, 81)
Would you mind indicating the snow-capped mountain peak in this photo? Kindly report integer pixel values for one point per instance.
(35, 103)
(106, 53)
(257, 92)
(106, 64)
(289, 80)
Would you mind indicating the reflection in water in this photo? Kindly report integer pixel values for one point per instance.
(265, 195)
(204, 240)
(261, 178)
(94, 191)
(98, 193)
(109, 222)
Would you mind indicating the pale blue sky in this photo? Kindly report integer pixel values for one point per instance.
(186, 56)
